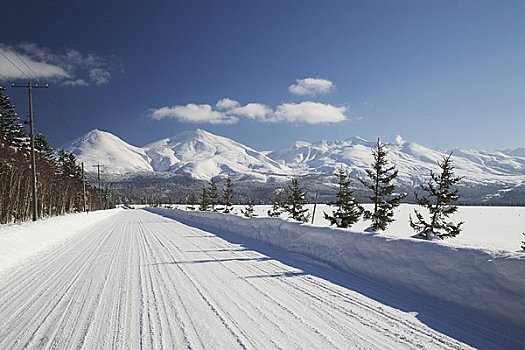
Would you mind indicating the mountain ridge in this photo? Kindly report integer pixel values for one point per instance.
(197, 153)
(203, 155)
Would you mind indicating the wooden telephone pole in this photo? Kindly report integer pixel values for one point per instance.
(30, 88)
(99, 187)
(84, 188)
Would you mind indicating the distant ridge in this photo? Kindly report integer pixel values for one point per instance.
(203, 155)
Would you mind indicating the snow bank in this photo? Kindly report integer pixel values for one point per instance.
(492, 228)
(20, 241)
(489, 281)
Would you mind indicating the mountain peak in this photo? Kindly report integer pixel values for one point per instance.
(102, 147)
(203, 155)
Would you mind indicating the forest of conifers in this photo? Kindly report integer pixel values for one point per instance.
(59, 177)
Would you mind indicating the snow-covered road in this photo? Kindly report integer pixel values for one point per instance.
(140, 280)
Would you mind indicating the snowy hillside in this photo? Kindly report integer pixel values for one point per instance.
(199, 154)
(204, 155)
(413, 161)
(117, 156)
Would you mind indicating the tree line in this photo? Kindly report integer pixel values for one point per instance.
(59, 176)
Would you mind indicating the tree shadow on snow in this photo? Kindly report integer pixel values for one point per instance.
(471, 327)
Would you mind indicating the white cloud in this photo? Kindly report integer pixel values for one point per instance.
(99, 76)
(77, 82)
(311, 86)
(252, 111)
(41, 69)
(193, 113)
(226, 103)
(309, 112)
(305, 112)
(67, 66)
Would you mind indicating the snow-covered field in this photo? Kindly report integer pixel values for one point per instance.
(494, 228)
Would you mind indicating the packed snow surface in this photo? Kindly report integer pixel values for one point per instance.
(139, 280)
(23, 240)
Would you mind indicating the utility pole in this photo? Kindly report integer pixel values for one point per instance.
(30, 88)
(98, 178)
(315, 206)
(83, 187)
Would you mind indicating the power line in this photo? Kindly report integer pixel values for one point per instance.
(21, 71)
(25, 64)
(49, 96)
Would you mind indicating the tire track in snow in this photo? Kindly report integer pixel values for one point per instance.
(231, 300)
(170, 304)
(228, 322)
(269, 299)
(348, 334)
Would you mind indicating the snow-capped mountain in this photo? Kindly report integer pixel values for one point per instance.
(203, 155)
(117, 156)
(199, 154)
(413, 161)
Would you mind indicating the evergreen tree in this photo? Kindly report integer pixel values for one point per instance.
(205, 203)
(439, 200)
(11, 125)
(213, 195)
(348, 210)
(296, 201)
(249, 210)
(523, 243)
(277, 204)
(228, 195)
(381, 178)
(43, 149)
(190, 203)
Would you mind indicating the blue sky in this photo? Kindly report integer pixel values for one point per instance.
(441, 73)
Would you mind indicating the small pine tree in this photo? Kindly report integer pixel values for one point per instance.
(228, 195)
(523, 243)
(381, 178)
(213, 195)
(296, 200)
(249, 211)
(439, 202)
(205, 202)
(277, 204)
(348, 210)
